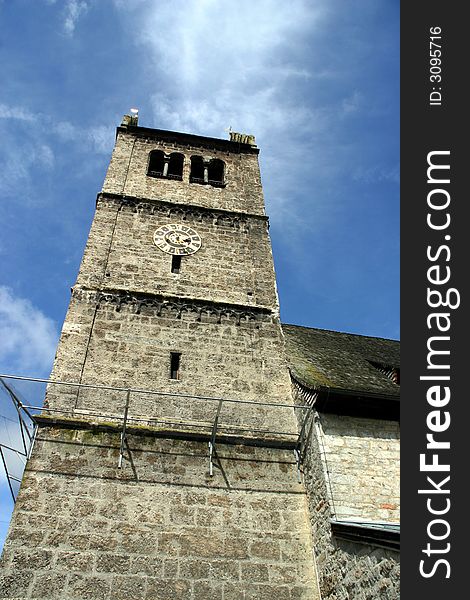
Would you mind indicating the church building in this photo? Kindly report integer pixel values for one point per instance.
(191, 446)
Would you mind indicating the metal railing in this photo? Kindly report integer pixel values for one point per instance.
(26, 432)
(66, 405)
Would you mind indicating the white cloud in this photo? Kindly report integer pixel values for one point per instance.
(378, 173)
(29, 337)
(256, 67)
(18, 113)
(101, 138)
(25, 156)
(44, 155)
(17, 158)
(352, 103)
(222, 64)
(98, 139)
(73, 11)
(65, 130)
(226, 61)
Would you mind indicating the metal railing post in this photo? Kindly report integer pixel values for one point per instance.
(123, 432)
(212, 440)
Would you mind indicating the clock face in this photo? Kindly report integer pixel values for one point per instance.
(177, 239)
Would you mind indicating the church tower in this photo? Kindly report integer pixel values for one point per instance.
(166, 460)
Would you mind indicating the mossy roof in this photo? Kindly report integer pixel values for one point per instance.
(321, 358)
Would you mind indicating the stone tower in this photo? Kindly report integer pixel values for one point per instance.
(167, 470)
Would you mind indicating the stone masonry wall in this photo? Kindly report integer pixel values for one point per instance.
(121, 254)
(160, 527)
(346, 570)
(220, 312)
(127, 174)
(363, 457)
(100, 345)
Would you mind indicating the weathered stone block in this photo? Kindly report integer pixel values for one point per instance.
(162, 589)
(82, 587)
(49, 585)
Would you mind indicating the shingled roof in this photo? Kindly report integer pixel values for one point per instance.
(322, 359)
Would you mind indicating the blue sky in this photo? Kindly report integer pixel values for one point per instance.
(316, 81)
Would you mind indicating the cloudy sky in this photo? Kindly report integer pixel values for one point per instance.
(317, 83)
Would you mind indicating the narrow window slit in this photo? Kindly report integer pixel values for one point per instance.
(175, 264)
(175, 358)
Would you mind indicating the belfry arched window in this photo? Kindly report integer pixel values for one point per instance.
(211, 172)
(197, 170)
(175, 166)
(216, 170)
(166, 166)
(156, 163)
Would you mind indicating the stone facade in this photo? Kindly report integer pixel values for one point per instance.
(120, 253)
(126, 349)
(146, 515)
(363, 458)
(161, 526)
(127, 171)
(351, 473)
(345, 569)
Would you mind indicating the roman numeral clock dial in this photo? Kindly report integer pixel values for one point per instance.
(177, 239)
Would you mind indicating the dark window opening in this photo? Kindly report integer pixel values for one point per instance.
(197, 170)
(175, 365)
(175, 264)
(211, 172)
(156, 163)
(175, 166)
(216, 172)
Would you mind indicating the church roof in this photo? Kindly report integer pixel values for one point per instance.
(344, 362)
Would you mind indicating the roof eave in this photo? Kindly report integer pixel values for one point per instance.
(383, 537)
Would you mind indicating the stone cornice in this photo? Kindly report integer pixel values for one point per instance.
(189, 140)
(168, 208)
(164, 306)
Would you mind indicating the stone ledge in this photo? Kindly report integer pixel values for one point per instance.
(150, 205)
(163, 304)
(189, 139)
(181, 433)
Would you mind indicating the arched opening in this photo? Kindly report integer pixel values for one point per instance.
(204, 172)
(197, 170)
(175, 166)
(216, 170)
(156, 163)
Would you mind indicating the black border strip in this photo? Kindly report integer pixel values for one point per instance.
(436, 123)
